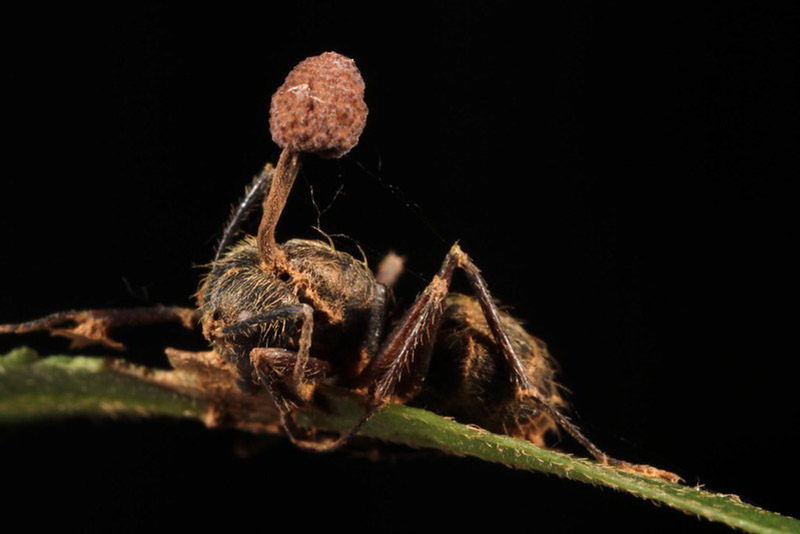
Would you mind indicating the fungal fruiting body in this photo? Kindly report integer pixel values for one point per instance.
(320, 107)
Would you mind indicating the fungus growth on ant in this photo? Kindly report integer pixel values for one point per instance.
(291, 316)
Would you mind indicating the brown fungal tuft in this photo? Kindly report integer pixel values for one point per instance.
(320, 107)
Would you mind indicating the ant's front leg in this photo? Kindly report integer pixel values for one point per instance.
(240, 337)
(272, 367)
(290, 377)
(87, 327)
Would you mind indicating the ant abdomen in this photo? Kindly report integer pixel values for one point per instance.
(470, 380)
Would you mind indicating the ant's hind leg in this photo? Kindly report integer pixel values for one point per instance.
(88, 327)
(522, 381)
(520, 377)
(407, 351)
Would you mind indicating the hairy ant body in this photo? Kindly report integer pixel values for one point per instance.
(291, 316)
(321, 314)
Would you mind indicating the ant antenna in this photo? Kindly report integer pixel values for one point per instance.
(252, 195)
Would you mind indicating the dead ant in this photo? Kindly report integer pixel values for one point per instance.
(291, 316)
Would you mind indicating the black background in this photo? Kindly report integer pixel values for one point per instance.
(620, 173)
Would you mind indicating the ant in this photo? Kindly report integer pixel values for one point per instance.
(293, 315)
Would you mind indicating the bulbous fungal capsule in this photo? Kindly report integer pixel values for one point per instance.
(320, 107)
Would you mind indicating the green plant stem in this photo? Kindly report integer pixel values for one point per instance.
(58, 386)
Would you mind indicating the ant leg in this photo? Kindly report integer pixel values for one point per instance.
(372, 338)
(93, 326)
(271, 365)
(293, 312)
(389, 270)
(492, 315)
(412, 336)
(289, 377)
(520, 377)
(387, 274)
(275, 363)
(419, 326)
(408, 350)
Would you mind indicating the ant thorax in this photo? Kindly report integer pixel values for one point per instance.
(332, 282)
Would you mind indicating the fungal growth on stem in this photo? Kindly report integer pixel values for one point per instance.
(319, 109)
